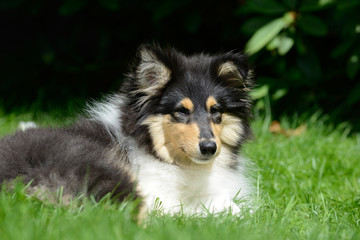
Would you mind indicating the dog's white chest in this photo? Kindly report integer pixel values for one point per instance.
(172, 189)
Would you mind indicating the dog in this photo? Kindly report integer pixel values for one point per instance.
(170, 137)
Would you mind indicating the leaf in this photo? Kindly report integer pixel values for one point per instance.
(279, 94)
(323, 3)
(260, 92)
(285, 45)
(273, 44)
(282, 43)
(271, 7)
(312, 25)
(70, 7)
(260, 105)
(264, 35)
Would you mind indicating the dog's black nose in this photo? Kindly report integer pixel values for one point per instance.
(207, 147)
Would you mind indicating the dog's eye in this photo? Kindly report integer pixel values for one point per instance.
(214, 110)
(216, 113)
(183, 111)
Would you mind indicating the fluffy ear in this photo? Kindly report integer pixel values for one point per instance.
(234, 70)
(151, 73)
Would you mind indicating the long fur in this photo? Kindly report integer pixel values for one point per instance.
(171, 137)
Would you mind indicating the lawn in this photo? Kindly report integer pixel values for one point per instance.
(308, 187)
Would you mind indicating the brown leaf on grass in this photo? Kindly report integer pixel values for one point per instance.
(275, 128)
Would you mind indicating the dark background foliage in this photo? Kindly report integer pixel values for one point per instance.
(53, 51)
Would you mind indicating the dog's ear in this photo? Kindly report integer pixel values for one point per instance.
(151, 73)
(233, 69)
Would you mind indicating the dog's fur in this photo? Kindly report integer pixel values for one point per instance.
(170, 137)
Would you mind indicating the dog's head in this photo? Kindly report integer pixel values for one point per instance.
(192, 107)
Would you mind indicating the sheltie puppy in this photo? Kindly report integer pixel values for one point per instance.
(170, 137)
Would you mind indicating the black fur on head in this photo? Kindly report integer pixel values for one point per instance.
(160, 77)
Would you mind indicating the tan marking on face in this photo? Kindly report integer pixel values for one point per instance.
(211, 101)
(175, 143)
(188, 104)
(182, 139)
(231, 129)
(155, 124)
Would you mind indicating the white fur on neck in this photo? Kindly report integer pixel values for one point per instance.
(108, 113)
(175, 189)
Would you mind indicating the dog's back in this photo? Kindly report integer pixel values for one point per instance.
(75, 158)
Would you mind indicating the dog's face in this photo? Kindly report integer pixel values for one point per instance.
(195, 106)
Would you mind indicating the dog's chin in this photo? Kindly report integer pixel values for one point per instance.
(202, 161)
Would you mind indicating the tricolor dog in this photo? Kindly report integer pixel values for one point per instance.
(171, 137)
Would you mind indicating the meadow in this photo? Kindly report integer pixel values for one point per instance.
(307, 187)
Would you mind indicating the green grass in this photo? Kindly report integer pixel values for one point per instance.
(308, 188)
